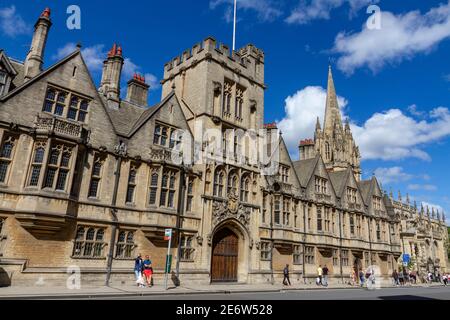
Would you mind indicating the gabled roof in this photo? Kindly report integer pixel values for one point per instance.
(125, 116)
(40, 75)
(304, 169)
(7, 62)
(149, 112)
(339, 180)
(365, 187)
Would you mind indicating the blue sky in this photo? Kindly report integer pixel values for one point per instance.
(394, 82)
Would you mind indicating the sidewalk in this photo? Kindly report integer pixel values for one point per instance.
(127, 291)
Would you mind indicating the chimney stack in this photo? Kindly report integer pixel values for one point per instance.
(35, 57)
(112, 70)
(138, 90)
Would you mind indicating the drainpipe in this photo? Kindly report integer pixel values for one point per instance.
(340, 245)
(304, 241)
(113, 211)
(370, 240)
(180, 213)
(271, 238)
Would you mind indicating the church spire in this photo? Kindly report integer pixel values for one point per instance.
(332, 111)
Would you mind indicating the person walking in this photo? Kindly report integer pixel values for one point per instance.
(361, 278)
(138, 268)
(395, 277)
(325, 276)
(148, 270)
(353, 278)
(401, 278)
(445, 279)
(319, 275)
(286, 280)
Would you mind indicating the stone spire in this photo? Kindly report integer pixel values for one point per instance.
(399, 196)
(332, 111)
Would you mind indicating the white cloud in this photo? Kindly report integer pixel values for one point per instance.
(266, 10)
(393, 174)
(302, 110)
(93, 56)
(400, 37)
(391, 135)
(12, 24)
(447, 77)
(310, 10)
(130, 68)
(424, 187)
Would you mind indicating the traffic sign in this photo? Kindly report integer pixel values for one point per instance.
(168, 234)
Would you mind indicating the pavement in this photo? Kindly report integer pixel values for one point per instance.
(195, 291)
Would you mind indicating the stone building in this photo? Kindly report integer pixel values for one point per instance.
(89, 179)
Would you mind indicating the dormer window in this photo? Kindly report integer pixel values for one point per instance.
(284, 173)
(3, 78)
(321, 185)
(376, 203)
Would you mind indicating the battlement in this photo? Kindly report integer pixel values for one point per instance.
(242, 61)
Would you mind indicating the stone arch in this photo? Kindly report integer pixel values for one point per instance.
(245, 244)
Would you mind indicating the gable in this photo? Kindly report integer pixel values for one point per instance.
(22, 105)
(168, 113)
(285, 159)
(320, 171)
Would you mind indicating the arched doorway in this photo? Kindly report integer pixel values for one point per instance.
(225, 249)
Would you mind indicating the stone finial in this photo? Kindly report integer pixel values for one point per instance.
(399, 196)
(391, 194)
(407, 198)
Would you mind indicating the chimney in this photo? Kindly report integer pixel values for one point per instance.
(138, 90)
(35, 57)
(307, 149)
(112, 70)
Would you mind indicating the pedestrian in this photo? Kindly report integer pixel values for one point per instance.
(319, 275)
(401, 278)
(406, 276)
(286, 280)
(361, 278)
(325, 276)
(395, 277)
(353, 278)
(445, 279)
(148, 270)
(413, 277)
(138, 268)
(429, 277)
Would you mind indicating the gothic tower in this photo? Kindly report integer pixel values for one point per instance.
(334, 142)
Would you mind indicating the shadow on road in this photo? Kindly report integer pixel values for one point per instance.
(406, 297)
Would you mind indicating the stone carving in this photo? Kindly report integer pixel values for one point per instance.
(230, 209)
(121, 149)
(199, 240)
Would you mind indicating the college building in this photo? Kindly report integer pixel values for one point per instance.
(89, 179)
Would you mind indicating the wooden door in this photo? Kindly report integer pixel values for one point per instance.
(224, 264)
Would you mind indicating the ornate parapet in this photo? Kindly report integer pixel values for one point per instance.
(60, 127)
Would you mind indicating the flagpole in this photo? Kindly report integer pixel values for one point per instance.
(234, 25)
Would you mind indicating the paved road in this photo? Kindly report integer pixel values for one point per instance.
(405, 293)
